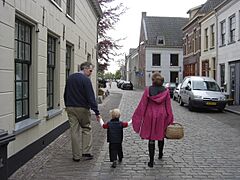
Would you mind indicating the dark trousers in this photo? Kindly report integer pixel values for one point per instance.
(115, 149)
(151, 149)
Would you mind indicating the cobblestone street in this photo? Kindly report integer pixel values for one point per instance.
(209, 150)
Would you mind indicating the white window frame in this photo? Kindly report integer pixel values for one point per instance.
(232, 28)
(158, 59)
(58, 2)
(23, 75)
(223, 32)
(69, 59)
(70, 11)
(212, 28)
(160, 40)
(206, 39)
(171, 59)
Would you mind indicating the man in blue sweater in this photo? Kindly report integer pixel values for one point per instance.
(79, 98)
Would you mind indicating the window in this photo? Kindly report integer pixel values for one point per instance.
(212, 36)
(51, 57)
(206, 39)
(58, 2)
(222, 74)
(223, 32)
(89, 57)
(205, 68)
(85, 47)
(156, 60)
(160, 40)
(232, 27)
(173, 76)
(184, 47)
(71, 8)
(185, 82)
(214, 67)
(194, 40)
(187, 45)
(174, 60)
(23, 48)
(239, 25)
(68, 60)
(205, 85)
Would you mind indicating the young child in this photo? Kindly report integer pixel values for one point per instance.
(115, 136)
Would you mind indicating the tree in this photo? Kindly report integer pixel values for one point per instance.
(118, 74)
(107, 46)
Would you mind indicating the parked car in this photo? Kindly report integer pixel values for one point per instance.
(201, 92)
(119, 83)
(170, 86)
(176, 92)
(127, 85)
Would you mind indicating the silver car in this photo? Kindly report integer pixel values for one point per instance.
(176, 92)
(201, 92)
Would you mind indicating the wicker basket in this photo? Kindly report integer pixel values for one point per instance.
(175, 131)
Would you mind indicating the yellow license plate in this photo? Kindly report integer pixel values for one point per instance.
(211, 103)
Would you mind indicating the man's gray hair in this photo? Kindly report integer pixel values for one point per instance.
(86, 65)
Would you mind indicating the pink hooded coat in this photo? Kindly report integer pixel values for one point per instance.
(153, 115)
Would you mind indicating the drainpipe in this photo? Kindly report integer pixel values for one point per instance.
(98, 20)
(216, 58)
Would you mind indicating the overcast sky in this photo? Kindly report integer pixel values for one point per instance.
(129, 24)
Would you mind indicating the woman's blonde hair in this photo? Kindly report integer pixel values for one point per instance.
(115, 113)
(157, 79)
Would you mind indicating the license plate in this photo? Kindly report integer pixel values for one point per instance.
(211, 103)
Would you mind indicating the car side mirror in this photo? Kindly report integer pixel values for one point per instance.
(188, 88)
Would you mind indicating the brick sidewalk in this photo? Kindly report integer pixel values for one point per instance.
(209, 149)
(55, 161)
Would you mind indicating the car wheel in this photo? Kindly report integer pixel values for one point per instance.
(220, 109)
(190, 107)
(178, 98)
(180, 101)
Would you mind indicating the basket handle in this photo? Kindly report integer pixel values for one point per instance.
(177, 124)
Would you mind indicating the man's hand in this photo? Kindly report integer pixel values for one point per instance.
(98, 117)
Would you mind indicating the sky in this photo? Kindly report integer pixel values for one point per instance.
(129, 25)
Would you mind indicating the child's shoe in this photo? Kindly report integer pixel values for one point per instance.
(114, 164)
(120, 160)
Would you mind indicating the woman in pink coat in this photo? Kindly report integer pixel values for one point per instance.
(153, 115)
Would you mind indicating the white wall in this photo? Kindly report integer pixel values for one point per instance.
(84, 26)
(210, 53)
(165, 67)
(229, 52)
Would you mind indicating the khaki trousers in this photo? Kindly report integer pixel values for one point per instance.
(80, 117)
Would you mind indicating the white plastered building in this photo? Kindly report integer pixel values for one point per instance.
(41, 43)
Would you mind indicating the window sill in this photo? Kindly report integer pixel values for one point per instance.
(222, 45)
(211, 48)
(231, 43)
(53, 113)
(25, 125)
(70, 18)
(205, 50)
(55, 4)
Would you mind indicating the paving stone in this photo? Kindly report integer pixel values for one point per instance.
(209, 150)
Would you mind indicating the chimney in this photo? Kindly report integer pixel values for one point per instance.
(144, 14)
